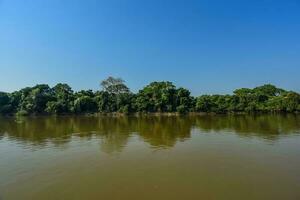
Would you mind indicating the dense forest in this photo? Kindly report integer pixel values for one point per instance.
(115, 97)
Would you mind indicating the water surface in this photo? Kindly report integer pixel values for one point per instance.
(200, 157)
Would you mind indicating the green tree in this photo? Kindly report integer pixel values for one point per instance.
(85, 104)
(5, 106)
(184, 102)
(35, 99)
(62, 101)
(106, 102)
(291, 102)
(268, 90)
(125, 103)
(157, 97)
(204, 103)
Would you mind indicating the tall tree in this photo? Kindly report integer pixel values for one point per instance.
(62, 101)
(114, 85)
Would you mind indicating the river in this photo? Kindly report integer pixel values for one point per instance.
(221, 157)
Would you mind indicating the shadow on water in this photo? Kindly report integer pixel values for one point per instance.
(158, 131)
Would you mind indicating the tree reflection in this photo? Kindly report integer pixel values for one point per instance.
(159, 131)
(264, 126)
(163, 131)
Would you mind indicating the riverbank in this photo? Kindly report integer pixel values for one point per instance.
(157, 98)
(137, 114)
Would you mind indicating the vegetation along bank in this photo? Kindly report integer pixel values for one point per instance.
(157, 97)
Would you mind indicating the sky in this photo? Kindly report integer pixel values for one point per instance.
(207, 46)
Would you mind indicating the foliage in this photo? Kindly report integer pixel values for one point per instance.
(5, 105)
(114, 85)
(266, 98)
(155, 97)
(184, 102)
(85, 104)
(62, 99)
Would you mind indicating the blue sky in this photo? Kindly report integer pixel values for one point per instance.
(208, 46)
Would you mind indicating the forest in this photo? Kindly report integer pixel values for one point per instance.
(157, 97)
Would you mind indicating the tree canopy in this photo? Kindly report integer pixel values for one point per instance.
(162, 96)
(114, 85)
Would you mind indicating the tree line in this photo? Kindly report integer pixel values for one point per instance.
(162, 96)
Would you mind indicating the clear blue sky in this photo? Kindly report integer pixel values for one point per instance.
(206, 46)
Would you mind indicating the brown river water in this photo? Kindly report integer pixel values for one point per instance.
(238, 157)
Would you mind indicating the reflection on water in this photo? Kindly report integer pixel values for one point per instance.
(160, 131)
(249, 157)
